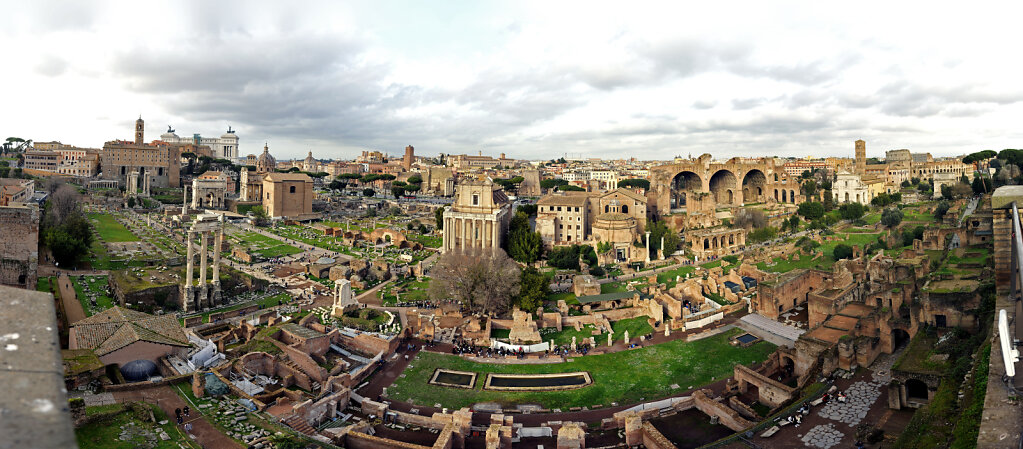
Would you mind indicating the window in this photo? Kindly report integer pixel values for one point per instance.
(291, 190)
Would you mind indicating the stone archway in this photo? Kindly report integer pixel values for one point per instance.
(753, 186)
(916, 389)
(722, 184)
(682, 184)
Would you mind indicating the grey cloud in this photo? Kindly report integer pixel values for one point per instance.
(705, 104)
(747, 103)
(903, 98)
(51, 66)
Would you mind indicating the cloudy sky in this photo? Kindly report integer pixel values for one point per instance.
(530, 79)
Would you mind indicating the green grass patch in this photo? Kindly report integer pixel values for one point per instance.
(105, 430)
(110, 230)
(668, 277)
(625, 377)
(85, 285)
(569, 298)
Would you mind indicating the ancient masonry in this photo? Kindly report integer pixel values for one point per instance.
(206, 225)
(19, 252)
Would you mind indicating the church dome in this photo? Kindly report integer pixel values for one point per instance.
(265, 162)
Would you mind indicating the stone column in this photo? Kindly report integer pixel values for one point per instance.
(203, 253)
(217, 242)
(184, 203)
(186, 299)
(648, 247)
(664, 255)
(191, 259)
(495, 229)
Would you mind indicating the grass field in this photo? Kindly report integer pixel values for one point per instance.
(625, 377)
(825, 262)
(110, 230)
(104, 432)
(414, 291)
(98, 286)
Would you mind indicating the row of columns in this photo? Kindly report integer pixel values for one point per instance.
(471, 233)
(204, 300)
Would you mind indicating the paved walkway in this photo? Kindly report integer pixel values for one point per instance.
(69, 299)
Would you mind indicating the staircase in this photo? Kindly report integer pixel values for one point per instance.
(296, 422)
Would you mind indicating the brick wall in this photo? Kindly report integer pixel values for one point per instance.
(19, 246)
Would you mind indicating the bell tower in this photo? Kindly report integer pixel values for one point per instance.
(140, 131)
(861, 157)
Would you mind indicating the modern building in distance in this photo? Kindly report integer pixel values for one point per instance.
(478, 218)
(223, 147)
(160, 161)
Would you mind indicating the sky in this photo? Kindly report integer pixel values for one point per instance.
(533, 80)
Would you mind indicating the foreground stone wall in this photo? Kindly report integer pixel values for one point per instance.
(19, 246)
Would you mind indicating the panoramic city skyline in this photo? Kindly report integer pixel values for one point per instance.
(532, 80)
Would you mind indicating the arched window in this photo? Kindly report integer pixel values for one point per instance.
(625, 209)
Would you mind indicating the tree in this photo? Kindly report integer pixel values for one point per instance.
(891, 217)
(851, 211)
(483, 281)
(634, 183)
(523, 245)
(811, 210)
(962, 190)
(570, 188)
(806, 174)
(423, 229)
(762, 234)
(979, 156)
(941, 209)
(397, 191)
(564, 257)
(528, 209)
(980, 185)
(534, 287)
(552, 183)
(64, 228)
(906, 184)
(395, 211)
(793, 223)
(336, 185)
(259, 216)
(438, 216)
(748, 217)
(909, 235)
(368, 192)
(829, 201)
(131, 202)
(809, 188)
(842, 251)
(660, 229)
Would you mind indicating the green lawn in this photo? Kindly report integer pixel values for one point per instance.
(415, 290)
(429, 241)
(569, 298)
(278, 251)
(98, 286)
(104, 432)
(668, 277)
(625, 377)
(110, 230)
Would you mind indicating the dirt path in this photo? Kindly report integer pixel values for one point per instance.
(167, 399)
(72, 307)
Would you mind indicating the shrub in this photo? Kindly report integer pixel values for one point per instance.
(842, 251)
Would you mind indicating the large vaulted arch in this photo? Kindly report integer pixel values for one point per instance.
(753, 186)
(682, 185)
(723, 185)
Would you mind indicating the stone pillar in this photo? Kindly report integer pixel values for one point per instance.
(648, 247)
(203, 253)
(184, 202)
(495, 229)
(217, 242)
(664, 255)
(186, 300)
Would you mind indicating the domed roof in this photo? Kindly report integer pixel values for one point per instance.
(309, 158)
(138, 370)
(266, 159)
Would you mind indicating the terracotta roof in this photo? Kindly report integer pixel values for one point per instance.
(117, 327)
(563, 200)
(288, 177)
(628, 193)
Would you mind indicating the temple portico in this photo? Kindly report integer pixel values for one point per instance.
(207, 226)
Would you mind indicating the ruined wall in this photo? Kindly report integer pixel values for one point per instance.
(359, 440)
(726, 416)
(772, 393)
(779, 295)
(653, 439)
(19, 246)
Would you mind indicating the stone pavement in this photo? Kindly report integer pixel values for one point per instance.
(823, 436)
(860, 396)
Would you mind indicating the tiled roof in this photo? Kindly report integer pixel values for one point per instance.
(116, 328)
(288, 177)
